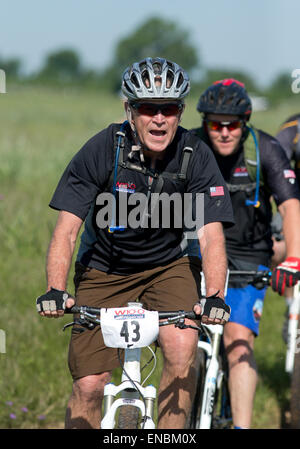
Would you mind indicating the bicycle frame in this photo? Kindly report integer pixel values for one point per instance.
(294, 310)
(131, 391)
(213, 374)
(135, 397)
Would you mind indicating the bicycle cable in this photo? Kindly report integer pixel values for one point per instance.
(144, 418)
(148, 363)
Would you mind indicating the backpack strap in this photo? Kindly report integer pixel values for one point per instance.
(119, 145)
(252, 161)
(182, 174)
(187, 153)
(252, 155)
(118, 160)
(118, 155)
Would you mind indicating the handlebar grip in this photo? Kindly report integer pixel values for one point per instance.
(77, 309)
(191, 315)
(71, 310)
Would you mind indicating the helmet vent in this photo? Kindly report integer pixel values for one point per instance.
(180, 80)
(241, 102)
(157, 68)
(211, 98)
(146, 79)
(128, 88)
(134, 80)
(221, 96)
(170, 78)
(157, 81)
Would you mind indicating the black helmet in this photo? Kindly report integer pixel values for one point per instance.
(227, 96)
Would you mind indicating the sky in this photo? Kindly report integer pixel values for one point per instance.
(258, 37)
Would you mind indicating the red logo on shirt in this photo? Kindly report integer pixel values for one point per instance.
(240, 171)
(127, 187)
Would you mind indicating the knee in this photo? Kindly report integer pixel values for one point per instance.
(90, 388)
(239, 351)
(179, 352)
(239, 348)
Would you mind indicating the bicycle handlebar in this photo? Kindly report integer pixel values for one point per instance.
(91, 316)
(258, 279)
(161, 315)
(261, 278)
(81, 309)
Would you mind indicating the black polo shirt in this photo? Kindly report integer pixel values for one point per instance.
(138, 248)
(250, 238)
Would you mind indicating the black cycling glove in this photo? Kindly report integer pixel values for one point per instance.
(215, 307)
(52, 300)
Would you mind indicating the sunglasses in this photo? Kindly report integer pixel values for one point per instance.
(214, 125)
(151, 109)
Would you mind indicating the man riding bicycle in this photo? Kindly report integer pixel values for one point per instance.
(254, 167)
(118, 261)
(289, 138)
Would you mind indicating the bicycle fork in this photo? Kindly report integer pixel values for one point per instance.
(131, 390)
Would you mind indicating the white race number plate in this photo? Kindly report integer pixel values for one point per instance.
(129, 327)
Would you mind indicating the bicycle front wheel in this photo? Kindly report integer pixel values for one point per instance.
(128, 417)
(222, 417)
(193, 420)
(295, 387)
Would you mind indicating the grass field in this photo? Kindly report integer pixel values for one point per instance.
(40, 131)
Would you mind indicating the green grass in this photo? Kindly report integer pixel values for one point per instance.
(41, 129)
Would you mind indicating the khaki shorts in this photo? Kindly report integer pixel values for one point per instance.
(174, 286)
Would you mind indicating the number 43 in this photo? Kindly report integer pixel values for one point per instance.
(125, 332)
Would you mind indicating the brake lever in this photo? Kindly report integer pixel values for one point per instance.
(68, 325)
(261, 281)
(81, 322)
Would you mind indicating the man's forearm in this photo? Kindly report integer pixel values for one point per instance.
(59, 260)
(61, 250)
(214, 261)
(290, 212)
(215, 271)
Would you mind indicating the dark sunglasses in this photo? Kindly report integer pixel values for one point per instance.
(151, 109)
(214, 125)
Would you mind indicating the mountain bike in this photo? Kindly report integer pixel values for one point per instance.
(292, 362)
(130, 404)
(211, 406)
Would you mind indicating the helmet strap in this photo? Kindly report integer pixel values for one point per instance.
(138, 146)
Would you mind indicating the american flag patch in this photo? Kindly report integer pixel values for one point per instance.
(289, 174)
(217, 191)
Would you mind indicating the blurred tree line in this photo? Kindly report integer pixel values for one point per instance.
(155, 37)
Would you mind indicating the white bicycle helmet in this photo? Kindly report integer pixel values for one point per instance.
(155, 78)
